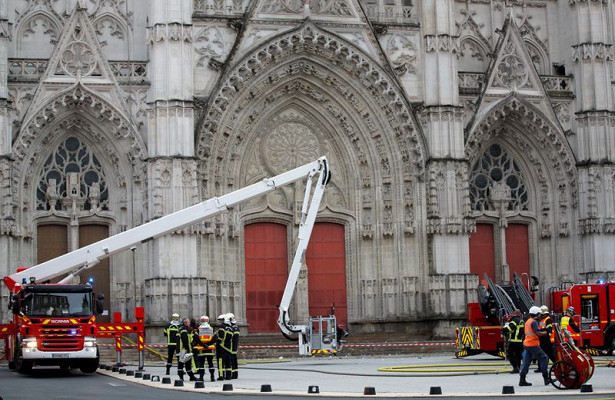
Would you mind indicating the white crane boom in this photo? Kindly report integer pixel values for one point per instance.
(88, 256)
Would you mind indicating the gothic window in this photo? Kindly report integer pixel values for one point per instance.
(72, 173)
(495, 169)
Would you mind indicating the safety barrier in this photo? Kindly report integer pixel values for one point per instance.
(291, 346)
(118, 328)
(5, 330)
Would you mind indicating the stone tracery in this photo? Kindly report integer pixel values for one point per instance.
(309, 39)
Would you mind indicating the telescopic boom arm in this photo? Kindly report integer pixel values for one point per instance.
(88, 256)
(308, 217)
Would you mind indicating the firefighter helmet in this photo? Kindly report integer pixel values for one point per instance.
(534, 310)
(570, 310)
(544, 310)
(204, 318)
(175, 317)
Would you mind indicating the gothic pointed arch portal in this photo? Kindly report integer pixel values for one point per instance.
(303, 94)
(73, 173)
(522, 185)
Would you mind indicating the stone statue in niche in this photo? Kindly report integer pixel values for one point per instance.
(94, 196)
(52, 194)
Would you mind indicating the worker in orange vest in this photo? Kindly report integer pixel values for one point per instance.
(533, 351)
(567, 323)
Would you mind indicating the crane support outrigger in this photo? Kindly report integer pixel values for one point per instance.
(25, 342)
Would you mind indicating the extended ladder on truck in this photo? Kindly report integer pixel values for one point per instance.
(482, 333)
(19, 333)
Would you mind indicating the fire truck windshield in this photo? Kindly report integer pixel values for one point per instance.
(57, 304)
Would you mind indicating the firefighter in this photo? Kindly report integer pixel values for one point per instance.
(205, 348)
(532, 348)
(234, 346)
(513, 332)
(185, 350)
(546, 342)
(567, 323)
(170, 332)
(223, 339)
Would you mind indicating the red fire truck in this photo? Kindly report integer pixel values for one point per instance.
(594, 305)
(483, 331)
(55, 323)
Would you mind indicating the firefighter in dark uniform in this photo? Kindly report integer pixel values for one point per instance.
(223, 340)
(234, 346)
(513, 331)
(170, 332)
(546, 342)
(185, 350)
(204, 348)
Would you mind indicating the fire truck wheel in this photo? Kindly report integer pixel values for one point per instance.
(22, 366)
(89, 367)
(609, 342)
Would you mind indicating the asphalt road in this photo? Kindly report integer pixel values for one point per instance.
(337, 378)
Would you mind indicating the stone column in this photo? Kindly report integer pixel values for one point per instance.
(8, 229)
(592, 65)
(171, 165)
(448, 202)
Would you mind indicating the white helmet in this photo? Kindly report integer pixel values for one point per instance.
(221, 317)
(175, 316)
(544, 310)
(534, 310)
(204, 318)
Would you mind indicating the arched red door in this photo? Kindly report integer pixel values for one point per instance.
(482, 252)
(326, 261)
(266, 262)
(517, 249)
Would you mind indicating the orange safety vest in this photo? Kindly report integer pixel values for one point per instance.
(543, 325)
(565, 324)
(531, 338)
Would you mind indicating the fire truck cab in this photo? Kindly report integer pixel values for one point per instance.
(594, 305)
(55, 325)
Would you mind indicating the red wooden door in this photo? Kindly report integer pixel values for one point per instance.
(326, 261)
(266, 259)
(517, 249)
(482, 256)
(101, 274)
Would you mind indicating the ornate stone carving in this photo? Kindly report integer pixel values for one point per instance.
(471, 39)
(109, 26)
(446, 43)
(78, 56)
(592, 51)
(402, 54)
(296, 42)
(367, 229)
(330, 7)
(497, 169)
(208, 44)
(561, 161)
(169, 32)
(43, 24)
(290, 145)
(511, 72)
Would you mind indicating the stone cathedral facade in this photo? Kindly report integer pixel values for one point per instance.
(465, 138)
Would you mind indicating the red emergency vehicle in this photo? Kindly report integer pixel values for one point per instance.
(594, 305)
